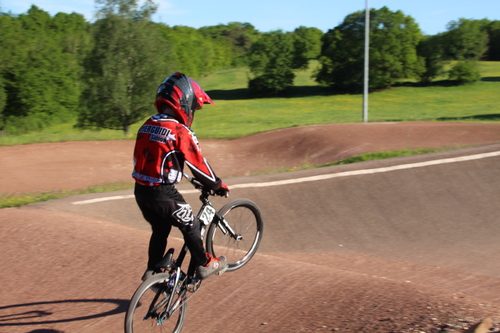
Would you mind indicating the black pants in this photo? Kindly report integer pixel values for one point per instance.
(163, 207)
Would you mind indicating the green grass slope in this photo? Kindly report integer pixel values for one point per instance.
(236, 113)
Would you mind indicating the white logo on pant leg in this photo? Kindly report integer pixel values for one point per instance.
(184, 214)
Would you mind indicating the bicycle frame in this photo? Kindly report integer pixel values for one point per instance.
(208, 214)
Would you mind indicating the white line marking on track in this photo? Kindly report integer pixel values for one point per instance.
(90, 201)
(323, 177)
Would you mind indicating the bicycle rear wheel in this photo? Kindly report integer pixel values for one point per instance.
(245, 219)
(148, 308)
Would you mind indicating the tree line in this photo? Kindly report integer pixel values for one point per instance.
(56, 68)
(398, 50)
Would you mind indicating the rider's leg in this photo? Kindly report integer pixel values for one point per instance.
(151, 201)
(157, 243)
(204, 264)
(189, 225)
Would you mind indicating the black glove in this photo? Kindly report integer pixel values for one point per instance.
(223, 191)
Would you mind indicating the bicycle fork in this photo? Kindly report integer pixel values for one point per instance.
(226, 228)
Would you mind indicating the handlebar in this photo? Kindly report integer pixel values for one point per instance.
(199, 186)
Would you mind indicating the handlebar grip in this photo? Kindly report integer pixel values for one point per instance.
(198, 185)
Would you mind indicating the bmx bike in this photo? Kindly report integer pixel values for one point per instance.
(160, 303)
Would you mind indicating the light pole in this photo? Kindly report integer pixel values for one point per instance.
(367, 58)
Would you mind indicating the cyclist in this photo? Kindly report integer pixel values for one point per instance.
(164, 143)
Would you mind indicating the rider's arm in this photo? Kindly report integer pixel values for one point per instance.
(198, 165)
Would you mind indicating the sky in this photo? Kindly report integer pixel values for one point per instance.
(432, 16)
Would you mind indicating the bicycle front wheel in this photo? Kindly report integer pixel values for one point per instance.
(239, 240)
(156, 307)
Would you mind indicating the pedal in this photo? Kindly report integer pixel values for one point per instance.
(193, 286)
(222, 271)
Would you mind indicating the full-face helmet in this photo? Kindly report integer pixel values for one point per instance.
(184, 95)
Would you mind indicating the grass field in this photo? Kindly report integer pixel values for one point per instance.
(237, 114)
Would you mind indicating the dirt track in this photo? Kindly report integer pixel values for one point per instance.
(68, 272)
(75, 165)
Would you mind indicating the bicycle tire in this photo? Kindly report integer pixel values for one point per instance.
(139, 319)
(245, 218)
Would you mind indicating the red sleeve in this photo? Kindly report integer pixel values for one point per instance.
(194, 159)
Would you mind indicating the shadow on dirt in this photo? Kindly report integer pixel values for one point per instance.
(52, 312)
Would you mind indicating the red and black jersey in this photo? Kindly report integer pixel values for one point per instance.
(162, 147)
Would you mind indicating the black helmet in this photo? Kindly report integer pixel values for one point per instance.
(184, 95)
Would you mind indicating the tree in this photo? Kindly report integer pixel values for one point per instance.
(195, 53)
(430, 54)
(466, 39)
(393, 40)
(239, 35)
(124, 68)
(493, 30)
(9, 33)
(73, 34)
(41, 79)
(310, 40)
(272, 60)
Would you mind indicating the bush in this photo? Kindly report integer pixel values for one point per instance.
(271, 84)
(464, 72)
